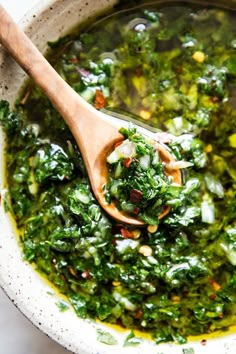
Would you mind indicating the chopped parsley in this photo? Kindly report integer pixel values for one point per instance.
(164, 66)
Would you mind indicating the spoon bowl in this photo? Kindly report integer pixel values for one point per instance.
(95, 133)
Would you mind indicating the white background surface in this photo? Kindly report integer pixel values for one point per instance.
(17, 334)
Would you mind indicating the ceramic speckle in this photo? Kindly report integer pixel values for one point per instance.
(31, 294)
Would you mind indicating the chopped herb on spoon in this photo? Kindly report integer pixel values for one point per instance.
(137, 179)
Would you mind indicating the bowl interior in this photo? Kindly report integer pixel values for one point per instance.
(35, 297)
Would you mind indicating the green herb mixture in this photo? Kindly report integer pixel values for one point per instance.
(140, 183)
(174, 68)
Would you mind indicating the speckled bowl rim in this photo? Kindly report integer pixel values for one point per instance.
(35, 297)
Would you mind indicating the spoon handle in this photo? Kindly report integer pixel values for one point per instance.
(91, 130)
(36, 66)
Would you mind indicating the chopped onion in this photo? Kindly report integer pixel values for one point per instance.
(35, 128)
(156, 158)
(230, 253)
(124, 301)
(214, 185)
(126, 149)
(144, 162)
(83, 198)
(125, 245)
(208, 212)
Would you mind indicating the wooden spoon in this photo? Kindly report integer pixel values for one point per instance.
(94, 133)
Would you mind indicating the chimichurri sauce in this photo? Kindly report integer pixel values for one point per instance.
(144, 180)
(174, 68)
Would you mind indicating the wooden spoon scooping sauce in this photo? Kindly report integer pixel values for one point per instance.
(94, 133)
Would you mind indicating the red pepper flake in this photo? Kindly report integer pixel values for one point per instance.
(63, 277)
(212, 296)
(135, 195)
(215, 99)
(85, 274)
(118, 143)
(127, 161)
(72, 271)
(120, 323)
(180, 70)
(74, 60)
(126, 233)
(136, 210)
(204, 342)
(116, 228)
(139, 314)
(214, 284)
(100, 101)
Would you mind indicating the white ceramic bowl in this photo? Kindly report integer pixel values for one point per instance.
(33, 295)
